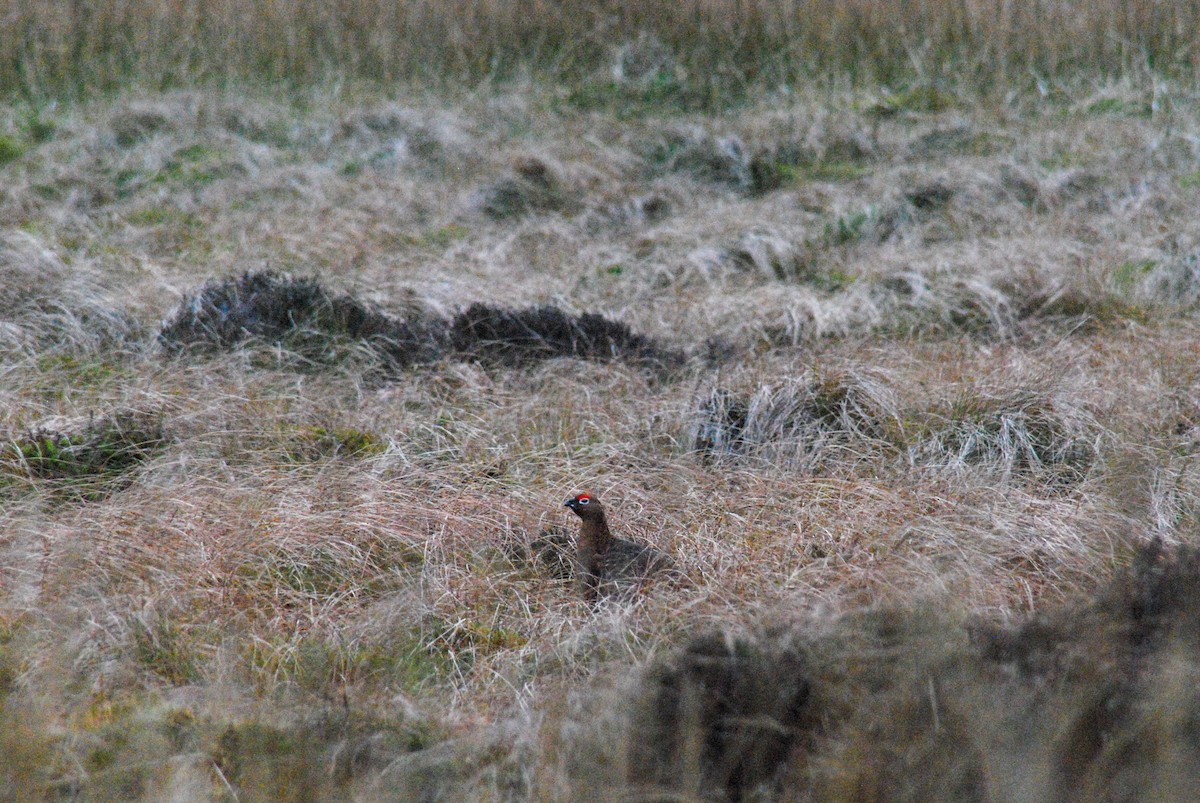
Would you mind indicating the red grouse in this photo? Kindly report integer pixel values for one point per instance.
(605, 563)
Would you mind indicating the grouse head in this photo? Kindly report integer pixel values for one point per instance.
(586, 506)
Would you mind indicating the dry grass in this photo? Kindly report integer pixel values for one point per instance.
(694, 54)
(923, 360)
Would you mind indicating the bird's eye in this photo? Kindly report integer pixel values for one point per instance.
(583, 500)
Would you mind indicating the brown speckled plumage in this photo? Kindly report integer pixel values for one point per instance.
(605, 563)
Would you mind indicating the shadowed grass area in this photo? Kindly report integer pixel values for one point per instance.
(1091, 701)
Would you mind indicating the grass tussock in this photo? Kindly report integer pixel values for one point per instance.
(531, 186)
(824, 418)
(1016, 434)
(47, 304)
(83, 457)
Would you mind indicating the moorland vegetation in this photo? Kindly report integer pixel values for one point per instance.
(879, 318)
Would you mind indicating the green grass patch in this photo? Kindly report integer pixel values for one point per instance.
(1065, 160)
(443, 235)
(164, 216)
(49, 191)
(665, 94)
(831, 280)
(1099, 308)
(440, 237)
(848, 228)
(985, 143)
(192, 167)
(313, 759)
(269, 763)
(1129, 274)
(167, 650)
(37, 128)
(67, 455)
(833, 171)
(129, 181)
(11, 149)
(919, 99)
(318, 442)
(792, 163)
(195, 166)
(82, 459)
(58, 369)
(1119, 107)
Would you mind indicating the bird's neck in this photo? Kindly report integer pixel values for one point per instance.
(595, 535)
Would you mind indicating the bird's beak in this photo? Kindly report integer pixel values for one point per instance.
(569, 503)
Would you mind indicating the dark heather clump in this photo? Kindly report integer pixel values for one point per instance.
(517, 337)
(930, 197)
(1115, 678)
(1145, 609)
(278, 308)
(301, 315)
(717, 721)
(708, 159)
